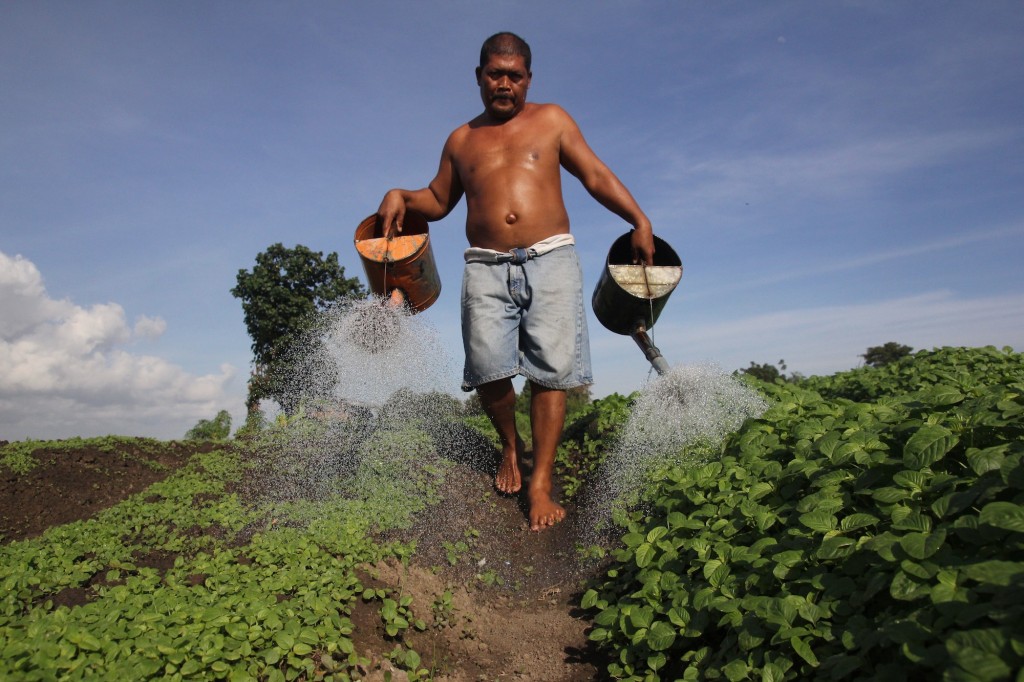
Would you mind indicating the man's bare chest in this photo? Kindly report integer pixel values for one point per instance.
(487, 153)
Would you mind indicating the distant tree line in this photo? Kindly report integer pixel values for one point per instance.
(874, 356)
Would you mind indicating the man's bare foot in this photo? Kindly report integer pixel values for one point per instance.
(544, 512)
(508, 479)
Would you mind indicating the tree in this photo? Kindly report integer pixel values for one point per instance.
(766, 372)
(877, 356)
(218, 428)
(280, 297)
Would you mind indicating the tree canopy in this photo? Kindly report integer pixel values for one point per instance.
(280, 297)
(877, 356)
(766, 372)
(218, 428)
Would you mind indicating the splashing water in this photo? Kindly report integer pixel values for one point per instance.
(679, 419)
(364, 351)
(365, 418)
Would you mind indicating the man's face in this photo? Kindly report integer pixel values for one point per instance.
(503, 83)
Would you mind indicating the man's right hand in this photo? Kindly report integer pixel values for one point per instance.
(391, 213)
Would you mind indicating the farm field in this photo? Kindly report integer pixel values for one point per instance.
(869, 525)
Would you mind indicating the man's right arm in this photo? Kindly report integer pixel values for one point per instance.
(433, 202)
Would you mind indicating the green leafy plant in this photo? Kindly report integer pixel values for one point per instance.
(175, 583)
(876, 539)
(443, 609)
(587, 440)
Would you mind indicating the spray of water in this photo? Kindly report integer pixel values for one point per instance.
(363, 417)
(679, 419)
(366, 421)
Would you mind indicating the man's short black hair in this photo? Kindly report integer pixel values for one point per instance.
(505, 44)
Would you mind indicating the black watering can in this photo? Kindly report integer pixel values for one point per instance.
(629, 298)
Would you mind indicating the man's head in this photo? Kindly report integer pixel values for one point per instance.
(505, 44)
(504, 75)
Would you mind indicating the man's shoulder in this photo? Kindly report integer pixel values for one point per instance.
(547, 109)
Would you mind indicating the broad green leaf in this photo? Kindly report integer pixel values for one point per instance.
(906, 588)
(676, 519)
(193, 666)
(922, 571)
(759, 490)
(804, 651)
(981, 665)
(991, 640)
(914, 521)
(994, 572)
(858, 520)
(608, 616)
(836, 547)
(660, 636)
(819, 521)
(1006, 515)
(645, 554)
(718, 576)
(679, 616)
(641, 616)
(989, 459)
(911, 480)
(710, 567)
(736, 670)
(656, 533)
(940, 395)
(808, 429)
(954, 503)
(922, 545)
(829, 443)
(657, 661)
(889, 495)
(632, 540)
(927, 445)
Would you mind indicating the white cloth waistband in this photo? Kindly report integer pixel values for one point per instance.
(475, 254)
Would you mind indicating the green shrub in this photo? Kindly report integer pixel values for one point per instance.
(218, 428)
(838, 539)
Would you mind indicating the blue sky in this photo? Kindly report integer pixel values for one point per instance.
(834, 175)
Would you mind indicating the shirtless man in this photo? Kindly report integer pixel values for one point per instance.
(522, 301)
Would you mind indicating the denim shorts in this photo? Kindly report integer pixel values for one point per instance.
(526, 319)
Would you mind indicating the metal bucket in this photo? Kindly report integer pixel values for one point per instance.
(402, 266)
(629, 295)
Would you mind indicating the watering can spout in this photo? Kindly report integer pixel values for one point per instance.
(651, 352)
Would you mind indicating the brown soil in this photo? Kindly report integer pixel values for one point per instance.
(71, 484)
(514, 592)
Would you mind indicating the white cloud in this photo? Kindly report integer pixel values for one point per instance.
(64, 370)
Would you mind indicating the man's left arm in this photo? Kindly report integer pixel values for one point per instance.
(578, 158)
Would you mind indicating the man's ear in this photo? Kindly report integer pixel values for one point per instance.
(478, 72)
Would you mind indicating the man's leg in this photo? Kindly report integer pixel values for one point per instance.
(547, 419)
(499, 402)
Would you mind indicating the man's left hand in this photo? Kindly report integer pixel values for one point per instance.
(642, 241)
